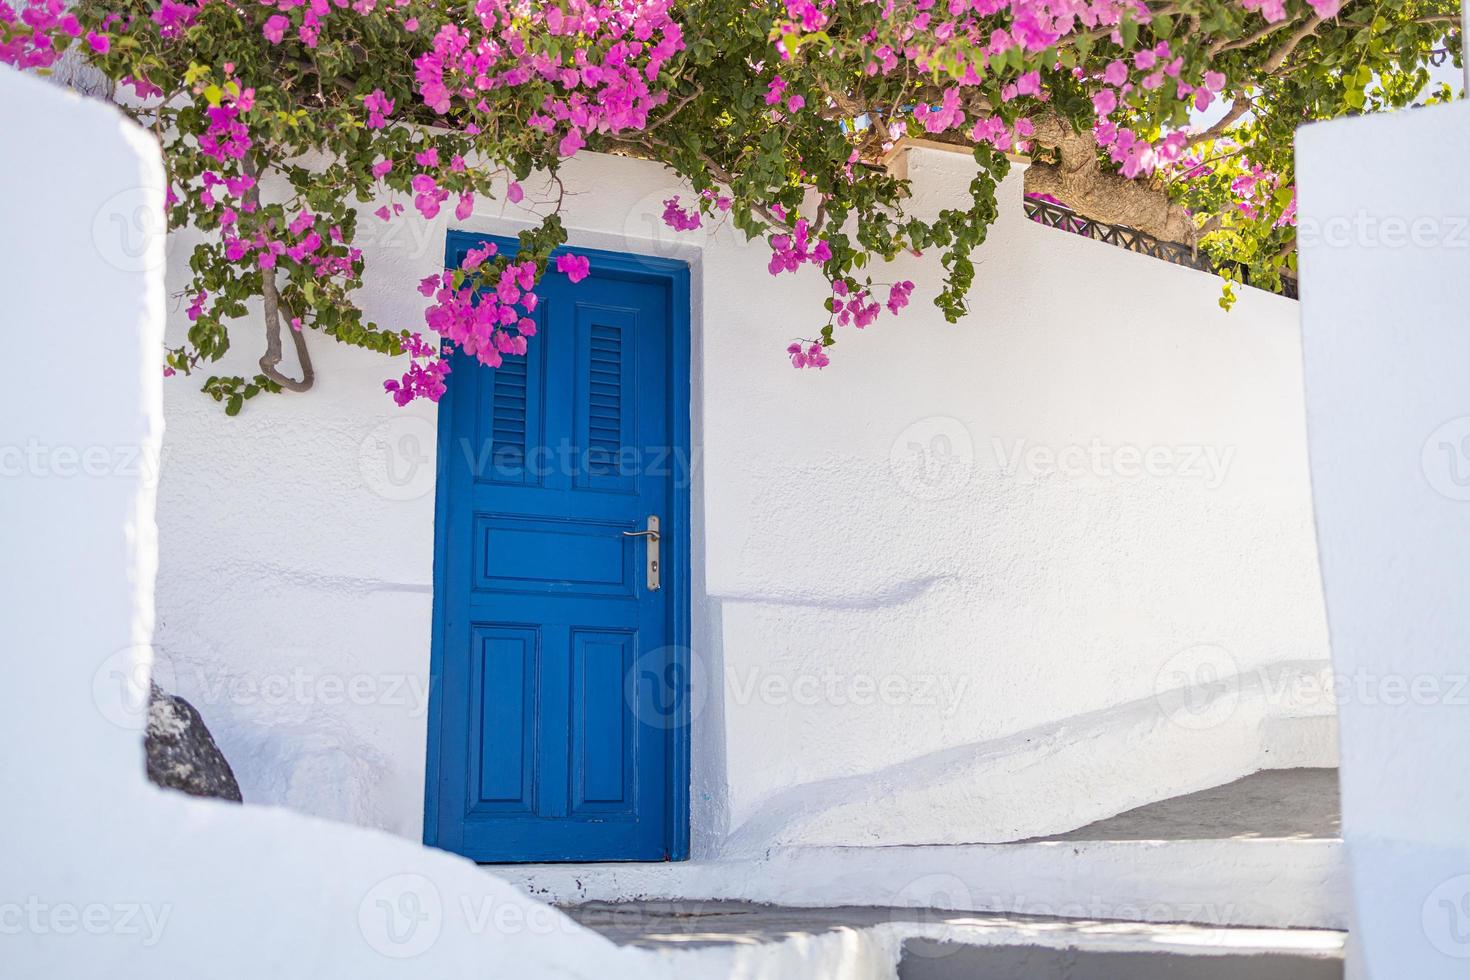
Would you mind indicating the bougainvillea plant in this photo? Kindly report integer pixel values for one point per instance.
(283, 122)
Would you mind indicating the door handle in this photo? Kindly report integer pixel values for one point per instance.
(652, 548)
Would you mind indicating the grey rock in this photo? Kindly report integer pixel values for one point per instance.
(181, 752)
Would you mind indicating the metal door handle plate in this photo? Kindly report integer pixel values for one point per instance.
(652, 549)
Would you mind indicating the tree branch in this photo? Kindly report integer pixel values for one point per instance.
(1238, 107)
(1225, 44)
(676, 107)
(272, 297)
(1279, 56)
(272, 355)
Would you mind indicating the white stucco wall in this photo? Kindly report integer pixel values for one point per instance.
(1386, 262)
(106, 875)
(1053, 646)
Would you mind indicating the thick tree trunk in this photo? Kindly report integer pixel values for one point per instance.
(1082, 185)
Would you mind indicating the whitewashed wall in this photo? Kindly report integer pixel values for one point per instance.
(1386, 259)
(922, 612)
(105, 874)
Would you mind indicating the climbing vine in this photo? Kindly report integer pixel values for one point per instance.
(283, 122)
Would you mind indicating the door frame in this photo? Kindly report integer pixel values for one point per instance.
(675, 276)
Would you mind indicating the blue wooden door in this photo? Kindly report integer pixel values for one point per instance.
(557, 723)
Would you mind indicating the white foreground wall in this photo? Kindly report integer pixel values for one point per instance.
(973, 582)
(1386, 261)
(104, 875)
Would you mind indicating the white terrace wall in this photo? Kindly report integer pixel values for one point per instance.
(973, 582)
(105, 875)
(1386, 251)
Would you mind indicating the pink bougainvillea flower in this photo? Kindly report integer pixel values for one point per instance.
(428, 195)
(475, 257)
(571, 143)
(677, 217)
(574, 267)
(379, 108)
(810, 355)
(788, 252)
(274, 28)
(898, 296)
(513, 193)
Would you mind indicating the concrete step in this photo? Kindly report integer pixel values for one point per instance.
(1268, 883)
(919, 944)
(926, 959)
(1261, 851)
(1276, 804)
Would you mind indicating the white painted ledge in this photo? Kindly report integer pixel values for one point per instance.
(1267, 883)
(874, 952)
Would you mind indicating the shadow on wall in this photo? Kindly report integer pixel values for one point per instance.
(1000, 790)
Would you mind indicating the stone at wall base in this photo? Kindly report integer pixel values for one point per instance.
(181, 753)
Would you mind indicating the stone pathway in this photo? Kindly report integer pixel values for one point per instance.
(1279, 804)
(954, 945)
(1290, 804)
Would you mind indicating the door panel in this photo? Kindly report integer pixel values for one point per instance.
(503, 731)
(541, 746)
